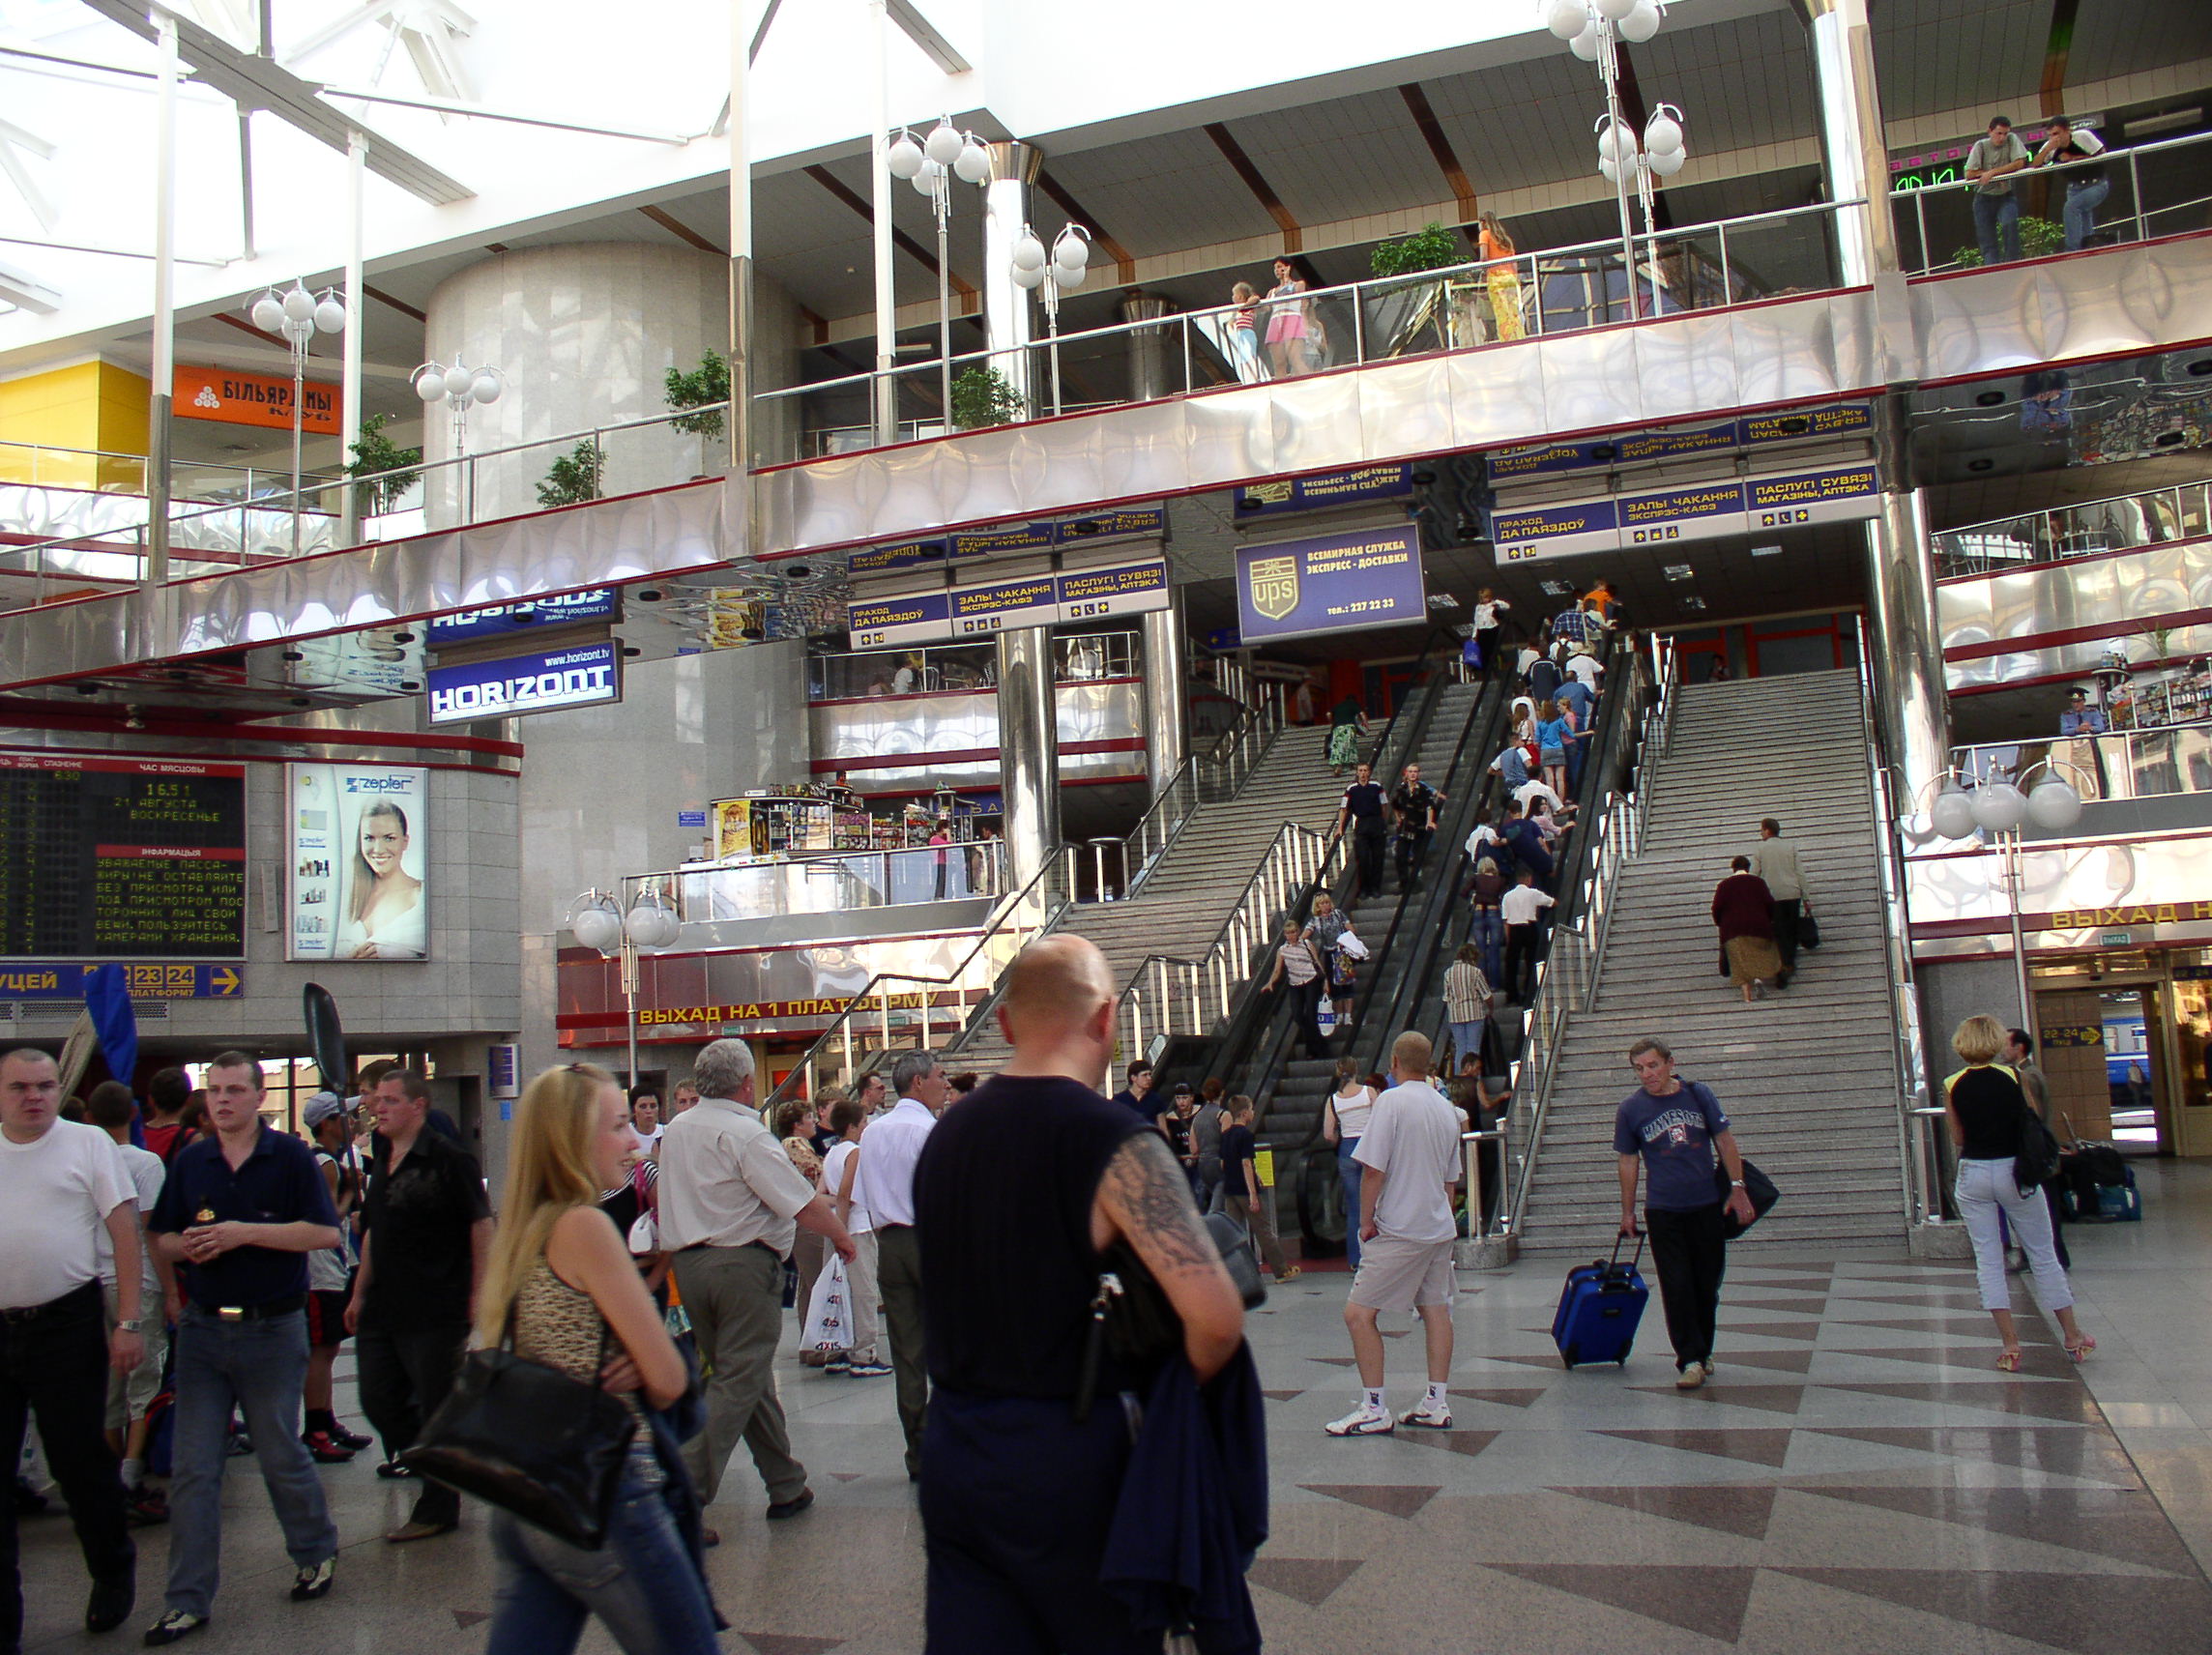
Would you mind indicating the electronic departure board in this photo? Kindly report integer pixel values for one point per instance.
(121, 859)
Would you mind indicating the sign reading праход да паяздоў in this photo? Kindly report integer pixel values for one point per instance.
(584, 675)
(1296, 589)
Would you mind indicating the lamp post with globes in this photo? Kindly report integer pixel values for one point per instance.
(1593, 30)
(930, 164)
(1064, 271)
(297, 316)
(460, 388)
(597, 920)
(1999, 809)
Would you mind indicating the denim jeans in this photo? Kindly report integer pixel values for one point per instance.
(259, 1367)
(54, 1364)
(1996, 226)
(2080, 212)
(1350, 1173)
(1487, 933)
(1988, 1195)
(1466, 1041)
(641, 1582)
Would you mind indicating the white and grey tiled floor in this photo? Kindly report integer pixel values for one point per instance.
(1857, 1478)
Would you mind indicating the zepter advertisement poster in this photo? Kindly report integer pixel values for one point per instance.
(359, 839)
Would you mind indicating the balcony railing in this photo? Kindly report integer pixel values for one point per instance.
(2125, 764)
(833, 884)
(2120, 522)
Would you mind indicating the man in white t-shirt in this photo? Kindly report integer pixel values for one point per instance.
(61, 1184)
(1411, 1150)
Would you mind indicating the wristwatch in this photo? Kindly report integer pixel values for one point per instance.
(135, 1325)
(1735, 1183)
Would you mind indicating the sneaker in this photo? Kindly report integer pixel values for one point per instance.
(239, 1444)
(1690, 1377)
(779, 1510)
(314, 1580)
(838, 1364)
(1291, 1274)
(325, 1449)
(174, 1624)
(868, 1370)
(1430, 1414)
(353, 1439)
(1361, 1421)
(143, 1507)
(391, 1470)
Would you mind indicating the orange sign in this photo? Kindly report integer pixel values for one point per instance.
(252, 400)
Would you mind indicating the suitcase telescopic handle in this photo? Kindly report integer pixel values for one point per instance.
(1634, 1262)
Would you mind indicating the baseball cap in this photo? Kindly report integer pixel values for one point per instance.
(320, 1108)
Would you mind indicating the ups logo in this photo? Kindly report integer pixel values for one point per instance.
(1274, 586)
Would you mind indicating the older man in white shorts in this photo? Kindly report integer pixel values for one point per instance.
(1411, 1153)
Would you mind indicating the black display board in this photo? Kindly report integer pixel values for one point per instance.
(121, 859)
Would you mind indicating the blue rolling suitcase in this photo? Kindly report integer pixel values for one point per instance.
(1600, 1308)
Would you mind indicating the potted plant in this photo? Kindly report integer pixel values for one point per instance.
(1399, 315)
(2039, 238)
(705, 386)
(376, 466)
(574, 477)
(984, 397)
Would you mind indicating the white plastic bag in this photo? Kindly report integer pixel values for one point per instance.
(1349, 946)
(829, 1317)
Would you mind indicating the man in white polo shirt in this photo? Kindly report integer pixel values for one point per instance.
(1411, 1150)
(888, 1150)
(61, 1186)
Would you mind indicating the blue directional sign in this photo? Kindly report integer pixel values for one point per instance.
(143, 980)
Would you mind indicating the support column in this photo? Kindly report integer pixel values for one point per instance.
(740, 416)
(349, 372)
(1014, 167)
(1908, 664)
(1167, 698)
(1029, 749)
(1851, 141)
(154, 571)
(884, 398)
(1148, 346)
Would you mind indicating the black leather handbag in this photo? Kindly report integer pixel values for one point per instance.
(532, 1440)
(1808, 931)
(1756, 1185)
(2035, 1163)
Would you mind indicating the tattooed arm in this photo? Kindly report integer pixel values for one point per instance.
(1144, 1198)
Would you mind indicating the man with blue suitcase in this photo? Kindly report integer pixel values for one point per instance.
(1672, 1129)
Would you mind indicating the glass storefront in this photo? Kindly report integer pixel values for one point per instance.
(2127, 1044)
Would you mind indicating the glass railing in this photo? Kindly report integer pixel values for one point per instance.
(855, 674)
(2124, 764)
(2148, 517)
(836, 884)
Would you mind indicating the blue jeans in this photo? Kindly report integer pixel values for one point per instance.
(1466, 1041)
(1350, 1173)
(261, 1368)
(1996, 226)
(640, 1582)
(1486, 932)
(2081, 213)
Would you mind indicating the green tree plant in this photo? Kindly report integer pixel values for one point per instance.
(983, 396)
(1433, 246)
(703, 386)
(374, 457)
(2039, 238)
(574, 477)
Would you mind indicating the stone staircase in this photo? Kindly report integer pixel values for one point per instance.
(1807, 1076)
(1192, 891)
(1293, 1113)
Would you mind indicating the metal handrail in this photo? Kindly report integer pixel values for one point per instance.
(1908, 1047)
(2122, 764)
(1567, 979)
(2038, 534)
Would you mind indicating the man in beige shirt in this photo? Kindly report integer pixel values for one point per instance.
(731, 1202)
(1776, 862)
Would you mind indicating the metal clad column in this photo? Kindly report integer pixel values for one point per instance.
(1147, 348)
(1167, 701)
(1029, 749)
(1908, 664)
(1851, 141)
(1014, 167)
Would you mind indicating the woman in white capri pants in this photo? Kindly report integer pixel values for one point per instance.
(1986, 1106)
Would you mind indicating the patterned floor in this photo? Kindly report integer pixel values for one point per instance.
(1857, 1478)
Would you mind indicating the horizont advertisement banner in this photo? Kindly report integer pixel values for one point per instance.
(535, 615)
(1297, 589)
(358, 838)
(543, 681)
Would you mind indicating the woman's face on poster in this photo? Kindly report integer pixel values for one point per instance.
(382, 843)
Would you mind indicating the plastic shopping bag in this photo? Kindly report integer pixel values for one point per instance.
(829, 1315)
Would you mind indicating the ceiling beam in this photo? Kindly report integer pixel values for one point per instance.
(1123, 257)
(924, 33)
(907, 244)
(2058, 47)
(1440, 144)
(1233, 152)
(255, 82)
(399, 304)
(684, 232)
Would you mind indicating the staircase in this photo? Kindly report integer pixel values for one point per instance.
(1181, 905)
(1807, 1076)
(1294, 1113)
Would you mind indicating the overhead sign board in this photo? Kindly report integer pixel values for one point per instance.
(530, 614)
(888, 623)
(1123, 588)
(1556, 530)
(232, 398)
(1694, 512)
(1042, 599)
(1832, 494)
(1329, 488)
(545, 681)
(985, 609)
(143, 980)
(1531, 460)
(1296, 589)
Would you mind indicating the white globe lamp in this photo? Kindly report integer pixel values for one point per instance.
(1584, 44)
(299, 304)
(944, 143)
(1613, 10)
(1028, 251)
(430, 382)
(1669, 164)
(1662, 133)
(1951, 815)
(268, 312)
(904, 158)
(1998, 807)
(1566, 18)
(330, 316)
(1641, 24)
(1028, 278)
(972, 166)
(596, 922)
(2053, 805)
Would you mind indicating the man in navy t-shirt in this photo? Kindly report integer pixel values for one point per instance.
(1672, 1129)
